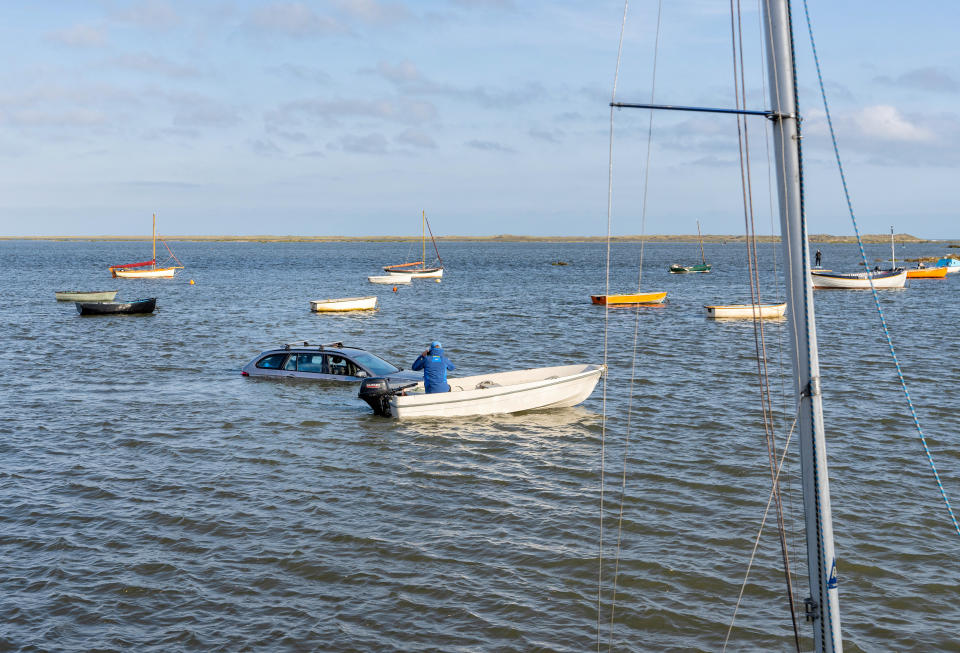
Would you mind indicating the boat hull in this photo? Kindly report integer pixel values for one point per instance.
(683, 269)
(81, 296)
(626, 300)
(503, 392)
(416, 273)
(389, 279)
(344, 304)
(928, 273)
(136, 307)
(749, 311)
(159, 273)
(858, 280)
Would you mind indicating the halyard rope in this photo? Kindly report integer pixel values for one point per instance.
(606, 322)
(873, 290)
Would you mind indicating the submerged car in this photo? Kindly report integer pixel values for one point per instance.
(328, 362)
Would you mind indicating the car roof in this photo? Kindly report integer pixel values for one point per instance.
(303, 346)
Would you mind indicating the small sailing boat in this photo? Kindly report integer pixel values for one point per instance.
(892, 277)
(703, 266)
(420, 269)
(151, 270)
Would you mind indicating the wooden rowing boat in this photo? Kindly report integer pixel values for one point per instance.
(751, 311)
(626, 300)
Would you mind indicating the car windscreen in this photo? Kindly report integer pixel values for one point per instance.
(377, 366)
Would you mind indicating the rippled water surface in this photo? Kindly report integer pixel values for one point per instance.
(152, 499)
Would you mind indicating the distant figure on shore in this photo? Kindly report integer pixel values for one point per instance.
(818, 257)
(434, 364)
(921, 265)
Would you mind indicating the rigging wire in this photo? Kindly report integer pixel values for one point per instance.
(763, 521)
(736, 27)
(606, 323)
(636, 330)
(873, 290)
(790, 509)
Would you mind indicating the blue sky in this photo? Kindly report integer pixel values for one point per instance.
(348, 117)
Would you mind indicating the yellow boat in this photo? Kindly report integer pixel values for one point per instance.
(928, 273)
(635, 298)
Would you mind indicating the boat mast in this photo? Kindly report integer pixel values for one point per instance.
(822, 606)
(423, 240)
(700, 239)
(893, 258)
(154, 240)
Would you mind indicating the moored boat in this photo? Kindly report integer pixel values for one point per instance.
(752, 311)
(389, 279)
(952, 264)
(135, 307)
(703, 266)
(420, 269)
(927, 273)
(488, 394)
(859, 280)
(344, 304)
(151, 271)
(629, 299)
(85, 296)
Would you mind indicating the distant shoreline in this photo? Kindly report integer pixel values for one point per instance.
(506, 238)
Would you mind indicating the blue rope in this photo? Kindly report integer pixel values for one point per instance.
(863, 258)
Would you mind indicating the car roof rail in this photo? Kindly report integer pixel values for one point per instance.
(326, 345)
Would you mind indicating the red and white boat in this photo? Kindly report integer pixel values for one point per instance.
(149, 270)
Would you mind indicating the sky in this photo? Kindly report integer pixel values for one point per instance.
(350, 117)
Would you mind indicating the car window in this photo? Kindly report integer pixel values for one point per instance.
(310, 363)
(271, 362)
(291, 364)
(340, 365)
(376, 366)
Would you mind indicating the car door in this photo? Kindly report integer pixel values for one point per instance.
(341, 368)
(312, 366)
(273, 365)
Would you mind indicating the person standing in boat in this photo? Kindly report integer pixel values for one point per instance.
(434, 364)
(818, 258)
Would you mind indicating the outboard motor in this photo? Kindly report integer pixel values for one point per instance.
(377, 393)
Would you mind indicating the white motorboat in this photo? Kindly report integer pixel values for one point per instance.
(488, 394)
(391, 279)
(343, 304)
(752, 311)
(859, 280)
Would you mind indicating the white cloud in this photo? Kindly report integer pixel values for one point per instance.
(150, 14)
(887, 123)
(372, 11)
(416, 138)
(81, 36)
(294, 19)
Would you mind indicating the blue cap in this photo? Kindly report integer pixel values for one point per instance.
(436, 345)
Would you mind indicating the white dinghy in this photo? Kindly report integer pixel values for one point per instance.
(752, 311)
(487, 394)
(391, 279)
(344, 304)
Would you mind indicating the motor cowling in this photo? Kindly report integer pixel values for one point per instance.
(377, 392)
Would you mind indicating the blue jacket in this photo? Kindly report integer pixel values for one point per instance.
(434, 365)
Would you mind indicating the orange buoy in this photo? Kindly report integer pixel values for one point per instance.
(191, 282)
(394, 289)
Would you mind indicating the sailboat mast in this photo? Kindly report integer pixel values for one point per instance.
(423, 239)
(154, 259)
(823, 604)
(893, 257)
(700, 239)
